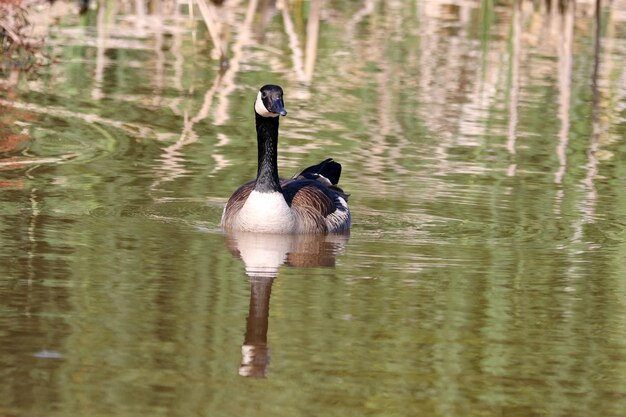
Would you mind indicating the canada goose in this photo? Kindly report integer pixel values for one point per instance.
(310, 202)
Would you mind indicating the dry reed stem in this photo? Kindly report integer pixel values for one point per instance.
(211, 21)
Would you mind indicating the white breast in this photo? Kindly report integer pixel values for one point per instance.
(265, 213)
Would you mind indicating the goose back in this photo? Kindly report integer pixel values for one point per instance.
(317, 205)
(318, 208)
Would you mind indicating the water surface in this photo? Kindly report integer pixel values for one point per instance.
(483, 148)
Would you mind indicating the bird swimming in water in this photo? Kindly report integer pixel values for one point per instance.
(310, 202)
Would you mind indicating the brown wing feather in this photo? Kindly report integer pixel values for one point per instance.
(235, 203)
(311, 206)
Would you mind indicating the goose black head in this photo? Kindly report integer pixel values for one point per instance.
(269, 102)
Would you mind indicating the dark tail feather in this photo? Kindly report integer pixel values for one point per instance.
(327, 168)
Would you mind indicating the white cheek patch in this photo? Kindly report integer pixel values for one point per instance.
(259, 107)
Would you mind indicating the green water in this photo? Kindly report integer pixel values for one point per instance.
(485, 275)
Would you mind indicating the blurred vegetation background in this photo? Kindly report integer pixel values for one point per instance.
(485, 271)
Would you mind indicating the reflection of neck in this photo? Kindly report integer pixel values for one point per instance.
(267, 143)
(255, 353)
(258, 314)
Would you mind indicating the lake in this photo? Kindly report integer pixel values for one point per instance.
(483, 148)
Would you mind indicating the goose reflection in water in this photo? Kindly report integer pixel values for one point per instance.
(262, 255)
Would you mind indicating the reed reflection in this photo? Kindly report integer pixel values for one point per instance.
(263, 255)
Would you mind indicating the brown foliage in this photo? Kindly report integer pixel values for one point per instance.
(17, 48)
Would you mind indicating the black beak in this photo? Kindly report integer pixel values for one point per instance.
(279, 107)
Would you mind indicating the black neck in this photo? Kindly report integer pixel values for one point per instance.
(267, 142)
